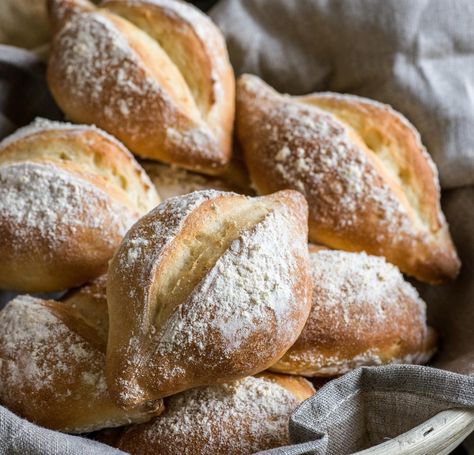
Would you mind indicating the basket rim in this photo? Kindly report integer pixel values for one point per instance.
(438, 435)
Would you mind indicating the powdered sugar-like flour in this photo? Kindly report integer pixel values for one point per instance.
(236, 418)
(39, 354)
(41, 202)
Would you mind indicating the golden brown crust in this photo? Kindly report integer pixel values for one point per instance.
(87, 150)
(52, 369)
(363, 313)
(68, 193)
(369, 182)
(238, 418)
(299, 387)
(171, 181)
(153, 73)
(60, 11)
(89, 304)
(205, 289)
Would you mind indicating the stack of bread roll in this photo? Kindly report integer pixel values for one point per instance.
(196, 325)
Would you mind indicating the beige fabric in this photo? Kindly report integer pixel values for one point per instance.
(17, 436)
(369, 405)
(451, 307)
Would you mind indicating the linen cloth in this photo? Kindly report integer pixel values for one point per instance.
(417, 55)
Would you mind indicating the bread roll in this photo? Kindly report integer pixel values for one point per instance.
(242, 417)
(154, 73)
(363, 313)
(89, 304)
(52, 369)
(208, 287)
(369, 182)
(68, 194)
(171, 181)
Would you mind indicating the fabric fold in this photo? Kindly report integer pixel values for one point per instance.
(18, 436)
(372, 404)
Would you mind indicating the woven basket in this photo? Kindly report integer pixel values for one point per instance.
(437, 436)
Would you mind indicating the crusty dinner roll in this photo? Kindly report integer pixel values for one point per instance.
(89, 303)
(172, 181)
(68, 194)
(369, 182)
(154, 73)
(208, 287)
(237, 418)
(52, 369)
(363, 313)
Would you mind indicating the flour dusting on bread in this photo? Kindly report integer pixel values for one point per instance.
(249, 286)
(96, 55)
(41, 124)
(319, 159)
(170, 217)
(40, 353)
(40, 201)
(252, 411)
(356, 279)
(369, 182)
(363, 313)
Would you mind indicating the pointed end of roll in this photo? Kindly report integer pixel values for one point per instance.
(251, 88)
(60, 10)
